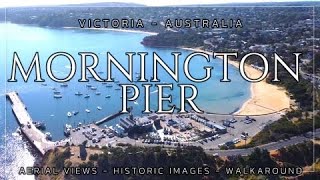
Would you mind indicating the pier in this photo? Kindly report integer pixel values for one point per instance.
(34, 135)
(108, 118)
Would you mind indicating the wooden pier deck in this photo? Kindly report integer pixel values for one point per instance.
(34, 135)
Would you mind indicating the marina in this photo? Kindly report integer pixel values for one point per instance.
(207, 130)
(42, 141)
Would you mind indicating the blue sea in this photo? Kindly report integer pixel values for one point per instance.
(213, 96)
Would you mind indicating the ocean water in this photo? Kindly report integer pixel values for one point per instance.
(26, 40)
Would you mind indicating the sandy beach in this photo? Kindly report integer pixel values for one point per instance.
(117, 30)
(265, 98)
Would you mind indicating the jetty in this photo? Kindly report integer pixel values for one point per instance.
(108, 118)
(35, 136)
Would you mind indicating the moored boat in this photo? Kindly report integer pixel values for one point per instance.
(64, 85)
(78, 93)
(57, 96)
(48, 136)
(67, 129)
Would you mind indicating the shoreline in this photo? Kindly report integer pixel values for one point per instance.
(265, 98)
(112, 29)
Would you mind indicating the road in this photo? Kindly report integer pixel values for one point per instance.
(270, 146)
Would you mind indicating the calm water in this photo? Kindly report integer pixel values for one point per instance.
(25, 40)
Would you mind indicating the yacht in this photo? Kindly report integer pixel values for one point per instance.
(48, 136)
(99, 108)
(93, 88)
(69, 114)
(87, 96)
(78, 93)
(39, 125)
(57, 96)
(75, 113)
(67, 129)
(108, 96)
(88, 85)
(64, 85)
(56, 92)
(98, 93)
(87, 110)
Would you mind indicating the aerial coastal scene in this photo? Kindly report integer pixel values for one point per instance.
(134, 109)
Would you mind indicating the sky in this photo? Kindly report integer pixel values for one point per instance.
(16, 3)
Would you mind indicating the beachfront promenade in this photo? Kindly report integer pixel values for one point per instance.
(34, 135)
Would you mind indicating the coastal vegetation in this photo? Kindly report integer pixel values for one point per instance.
(172, 39)
(107, 158)
(295, 123)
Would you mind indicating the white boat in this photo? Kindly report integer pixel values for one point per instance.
(87, 110)
(108, 96)
(67, 129)
(57, 96)
(78, 93)
(48, 136)
(87, 96)
(99, 108)
(93, 88)
(69, 114)
(98, 93)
